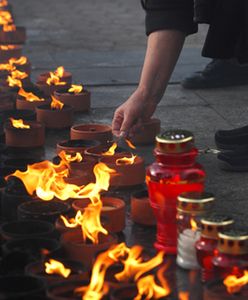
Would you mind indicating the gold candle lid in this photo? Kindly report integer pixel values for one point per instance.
(195, 202)
(233, 242)
(175, 141)
(214, 224)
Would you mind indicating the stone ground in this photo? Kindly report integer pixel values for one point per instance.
(103, 44)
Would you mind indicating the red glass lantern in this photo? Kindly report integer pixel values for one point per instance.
(232, 256)
(206, 246)
(175, 171)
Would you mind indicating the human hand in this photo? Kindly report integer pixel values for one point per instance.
(128, 117)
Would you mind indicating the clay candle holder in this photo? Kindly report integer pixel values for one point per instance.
(29, 99)
(56, 115)
(76, 96)
(148, 133)
(9, 51)
(112, 213)
(42, 210)
(26, 229)
(127, 173)
(76, 249)
(99, 132)
(11, 34)
(74, 146)
(21, 287)
(141, 211)
(6, 102)
(24, 134)
(37, 270)
(60, 72)
(216, 290)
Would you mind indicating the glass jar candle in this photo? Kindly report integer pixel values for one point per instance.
(174, 171)
(206, 246)
(191, 207)
(232, 256)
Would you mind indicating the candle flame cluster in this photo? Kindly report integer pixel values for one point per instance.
(76, 89)
(4, 3)
(134, 268)
(29, 96)
(56, 104)
(55, 78)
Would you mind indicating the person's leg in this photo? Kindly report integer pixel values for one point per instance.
(226, 43)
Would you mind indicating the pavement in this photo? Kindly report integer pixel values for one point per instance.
(103, 44)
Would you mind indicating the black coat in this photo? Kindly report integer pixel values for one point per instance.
(228, 23)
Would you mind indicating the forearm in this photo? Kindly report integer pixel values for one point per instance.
(163, 49)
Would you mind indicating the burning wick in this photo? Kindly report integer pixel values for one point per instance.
(111, 150)
(4, 3)
(76, 89)
(54, 80)
(68, 158)
(12, 82)
(7, 47)
(56, 267)
(56, 104)
(29, 96)
(60, 71)
(126, 160)
(130, 144)
(234, 284)
(19, 124)
(5, 18)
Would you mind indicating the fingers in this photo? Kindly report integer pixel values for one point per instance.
(117, 122)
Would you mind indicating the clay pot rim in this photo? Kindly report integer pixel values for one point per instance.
(47, 108)
(34, 125)
(110, 161)
(64, 92)
(110, 237)
(118, 202)
(37, 202)
(99, 128)
(43, 83)
(49, 227)
(85, 160)
(61, 144)
(141, 194)
(22, 99)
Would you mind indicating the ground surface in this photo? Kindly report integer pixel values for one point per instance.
(103, 43)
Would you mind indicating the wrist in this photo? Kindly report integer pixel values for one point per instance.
(148, 94)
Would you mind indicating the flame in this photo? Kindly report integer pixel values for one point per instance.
(5, 17)
(97, 288)
(76, 89)
(54, 80)
(56, 267)
(149, 289)
(12, 82)
(4, 3)
(18, 61)
(8, 47)
(135, 267)
(111, 150)
(90, 219)
(29, 96)
(19, 124)
(125, 160)
(16, 74)
(60, 71)
(234, 284)
(8, 28)
(183, 295)
(68, 158)
(56, 104)
(193, 224)
(7, 67)
(130, 145)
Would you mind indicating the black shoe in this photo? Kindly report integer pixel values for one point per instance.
(218, 73)
(234, 140)
(233, 161)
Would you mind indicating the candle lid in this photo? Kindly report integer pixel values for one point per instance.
(233, 242)
(195, 202)
(175, 141)
(215, 223)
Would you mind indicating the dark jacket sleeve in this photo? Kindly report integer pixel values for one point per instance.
(170, 14)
